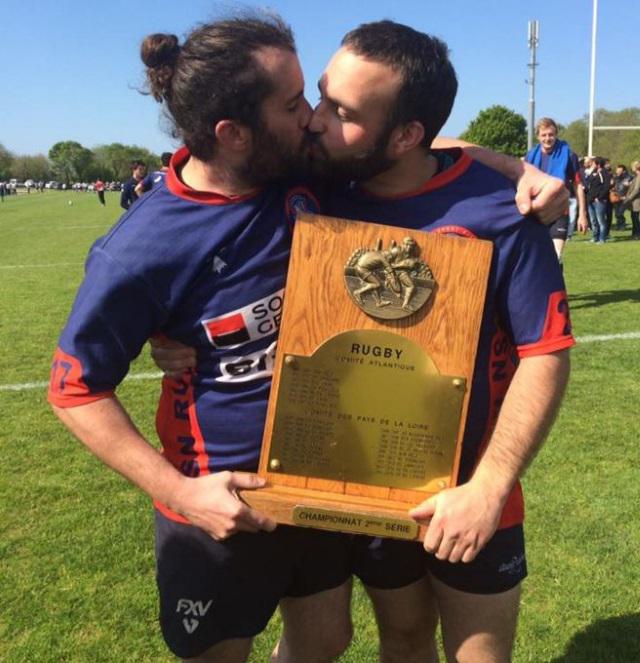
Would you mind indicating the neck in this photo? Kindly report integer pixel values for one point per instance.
(409, 173)
(214, 177)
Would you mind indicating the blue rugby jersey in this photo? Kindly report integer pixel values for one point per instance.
(526, 311)
(153, 179)
(209, 272)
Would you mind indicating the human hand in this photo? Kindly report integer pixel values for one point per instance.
(462, 520)
(541, 195)
(211, 502)
(583, 224)
(171, 357)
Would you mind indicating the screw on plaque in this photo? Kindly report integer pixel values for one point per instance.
(275, 465)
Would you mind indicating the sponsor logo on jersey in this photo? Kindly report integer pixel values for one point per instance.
(250, 323)
(249, 367)
(300, 199)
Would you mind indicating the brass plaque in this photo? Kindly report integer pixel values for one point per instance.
(367, 407)
(356, 523)
(391, 283)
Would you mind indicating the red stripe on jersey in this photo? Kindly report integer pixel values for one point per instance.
(501, 370)
(66, 384)
(171, 515)
(556, 333)
(179, 188)
(179, 431)
(455, 230)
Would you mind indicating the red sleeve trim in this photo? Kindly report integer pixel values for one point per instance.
(556, 333)
(545, 347)
(67, 387)
(60, 400)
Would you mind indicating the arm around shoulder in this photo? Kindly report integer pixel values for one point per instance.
(537, 193)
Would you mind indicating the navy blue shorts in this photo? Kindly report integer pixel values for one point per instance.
(215, 590)
(392, 564)
(559, 229)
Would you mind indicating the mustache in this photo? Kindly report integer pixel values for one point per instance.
(313, 140)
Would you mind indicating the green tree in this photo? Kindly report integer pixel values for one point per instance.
(6, 159)
(620, 146)
(499, 129)
(576, 134)
(112, 161)
(70, 160)
(34, 167)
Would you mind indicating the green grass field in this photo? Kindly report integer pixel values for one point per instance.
(76, 561)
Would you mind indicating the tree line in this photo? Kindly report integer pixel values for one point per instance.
(69, 161)
(496, 127)
(504, 130)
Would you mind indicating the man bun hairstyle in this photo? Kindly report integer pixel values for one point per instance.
(429, 83)
(159, 52)
(214, 75)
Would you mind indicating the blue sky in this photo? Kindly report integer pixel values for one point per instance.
(70, 69)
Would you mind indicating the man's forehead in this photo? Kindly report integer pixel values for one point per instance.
(357, 77)
(283, 67)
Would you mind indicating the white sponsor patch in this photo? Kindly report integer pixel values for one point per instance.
(248, 367)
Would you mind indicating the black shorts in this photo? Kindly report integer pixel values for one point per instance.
(215, 590)
(392, 564)
(559, 229)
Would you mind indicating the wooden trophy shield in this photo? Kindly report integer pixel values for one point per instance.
(372, 375)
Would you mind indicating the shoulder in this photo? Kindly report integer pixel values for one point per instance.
(485, 199)
(161, 228)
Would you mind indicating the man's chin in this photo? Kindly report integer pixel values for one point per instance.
(328, 173)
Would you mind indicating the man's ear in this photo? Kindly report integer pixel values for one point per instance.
(233, 135)
(405, 138)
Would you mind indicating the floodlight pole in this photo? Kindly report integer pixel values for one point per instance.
(592, 94)
(533, 44)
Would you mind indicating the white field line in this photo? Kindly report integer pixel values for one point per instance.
(596, 338)
(41, 385)
(26, 229)
(45, 265)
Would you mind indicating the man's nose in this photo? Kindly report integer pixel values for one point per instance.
(316, 123)
(305, 115)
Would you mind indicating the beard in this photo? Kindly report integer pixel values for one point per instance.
(273, 161)
(359, 167)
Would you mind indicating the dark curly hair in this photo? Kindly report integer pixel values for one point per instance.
(429, 82)
(213, 75)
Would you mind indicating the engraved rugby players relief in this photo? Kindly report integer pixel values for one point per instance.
(389, 284)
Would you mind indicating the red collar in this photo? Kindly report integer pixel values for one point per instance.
(179, 188)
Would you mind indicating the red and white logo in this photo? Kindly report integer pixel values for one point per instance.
(249, 323)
